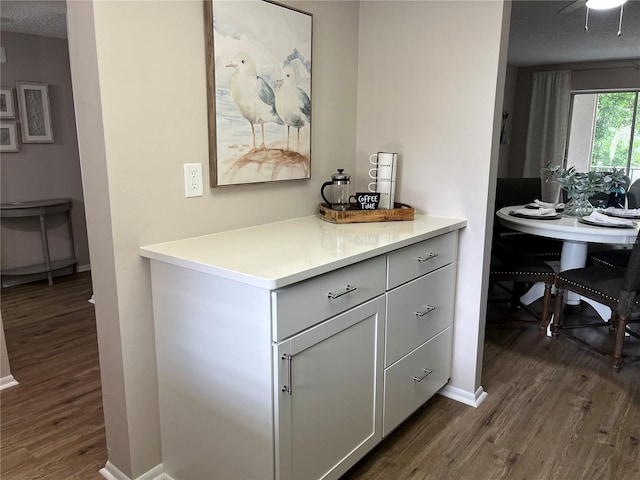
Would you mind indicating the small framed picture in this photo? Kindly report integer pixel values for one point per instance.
(8, 137)
(7, 107)
(35, 112)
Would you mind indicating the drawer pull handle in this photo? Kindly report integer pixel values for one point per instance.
(287, 389)
(431, 256)
(426, 371)
(428, 310)
(348, 289)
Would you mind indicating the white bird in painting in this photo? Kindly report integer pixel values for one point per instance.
(253, 96)
(292, 103)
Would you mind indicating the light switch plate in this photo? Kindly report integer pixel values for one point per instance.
(193, 180)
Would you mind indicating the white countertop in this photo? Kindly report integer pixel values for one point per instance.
(281, 253)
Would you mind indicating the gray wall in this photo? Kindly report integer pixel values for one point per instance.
(47, 170)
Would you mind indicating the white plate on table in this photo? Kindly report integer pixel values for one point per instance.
(622, 214)
(588, 221)
(534, 217)
(533, 206)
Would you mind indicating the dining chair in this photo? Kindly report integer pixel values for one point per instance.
(520, 191)
(510, 265)
(602, 198)
(613, 257)
(615, 287)
(618, 257)
(633, 195)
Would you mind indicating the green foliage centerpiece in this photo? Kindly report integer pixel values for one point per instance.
(580, 186)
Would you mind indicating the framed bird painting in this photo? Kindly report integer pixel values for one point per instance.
(258, 91)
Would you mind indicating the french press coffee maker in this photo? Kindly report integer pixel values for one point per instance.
(339, 197)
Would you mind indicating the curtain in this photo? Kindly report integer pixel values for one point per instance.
(548, 124)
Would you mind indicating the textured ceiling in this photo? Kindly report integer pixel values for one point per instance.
(538, 34)
(36, 17)
(541, 36)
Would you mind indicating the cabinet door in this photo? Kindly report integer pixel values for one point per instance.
(328, 394)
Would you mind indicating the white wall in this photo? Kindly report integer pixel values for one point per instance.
(427, 88)
(582, 129)
(138, 71)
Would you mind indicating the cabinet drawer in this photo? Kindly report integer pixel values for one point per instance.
(307, 303)
(405, 385)
(424, 257)
(417, 311)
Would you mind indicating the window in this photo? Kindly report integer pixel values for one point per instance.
(604, 132)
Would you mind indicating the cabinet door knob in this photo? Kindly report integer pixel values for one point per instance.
(428, 310)
(426, 371)
(348, 289)
(430, 256)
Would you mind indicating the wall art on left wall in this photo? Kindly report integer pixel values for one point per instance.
(7, 107)
(8, 137)
(35, 112)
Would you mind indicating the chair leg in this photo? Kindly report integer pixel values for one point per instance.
(616, 358)
(613, 322)
(518, 290)
(546, 301)
(557, 313)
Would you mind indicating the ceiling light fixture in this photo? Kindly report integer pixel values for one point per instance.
(604, 5)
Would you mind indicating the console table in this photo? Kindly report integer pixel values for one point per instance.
(42, 209)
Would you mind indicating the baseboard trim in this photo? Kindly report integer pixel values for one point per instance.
(111, 472)
(83, 268)
(463, 396)
(8, 382)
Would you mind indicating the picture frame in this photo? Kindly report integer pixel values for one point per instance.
(7, 105)
(35, 112)
(258, 62)
(8, 137)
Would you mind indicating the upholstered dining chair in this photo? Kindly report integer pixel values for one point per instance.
(633, 195)
(601, 198)
(520, 191)
(618, 257)
(510, 265)
(615, 287)
(613, 257)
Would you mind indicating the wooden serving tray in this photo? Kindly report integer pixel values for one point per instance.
(400, 212)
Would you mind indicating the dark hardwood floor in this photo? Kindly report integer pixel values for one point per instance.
(554, 410)
(52, 426)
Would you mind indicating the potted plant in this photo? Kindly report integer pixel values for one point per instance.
(580, 186)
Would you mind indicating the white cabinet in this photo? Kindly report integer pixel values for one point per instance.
(328, 392)
(293, 366)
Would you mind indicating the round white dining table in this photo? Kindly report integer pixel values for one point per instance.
(575, 236)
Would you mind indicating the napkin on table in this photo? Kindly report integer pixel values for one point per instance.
(623, 211)
(598, 217)
(541, 212)
(541, 204)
